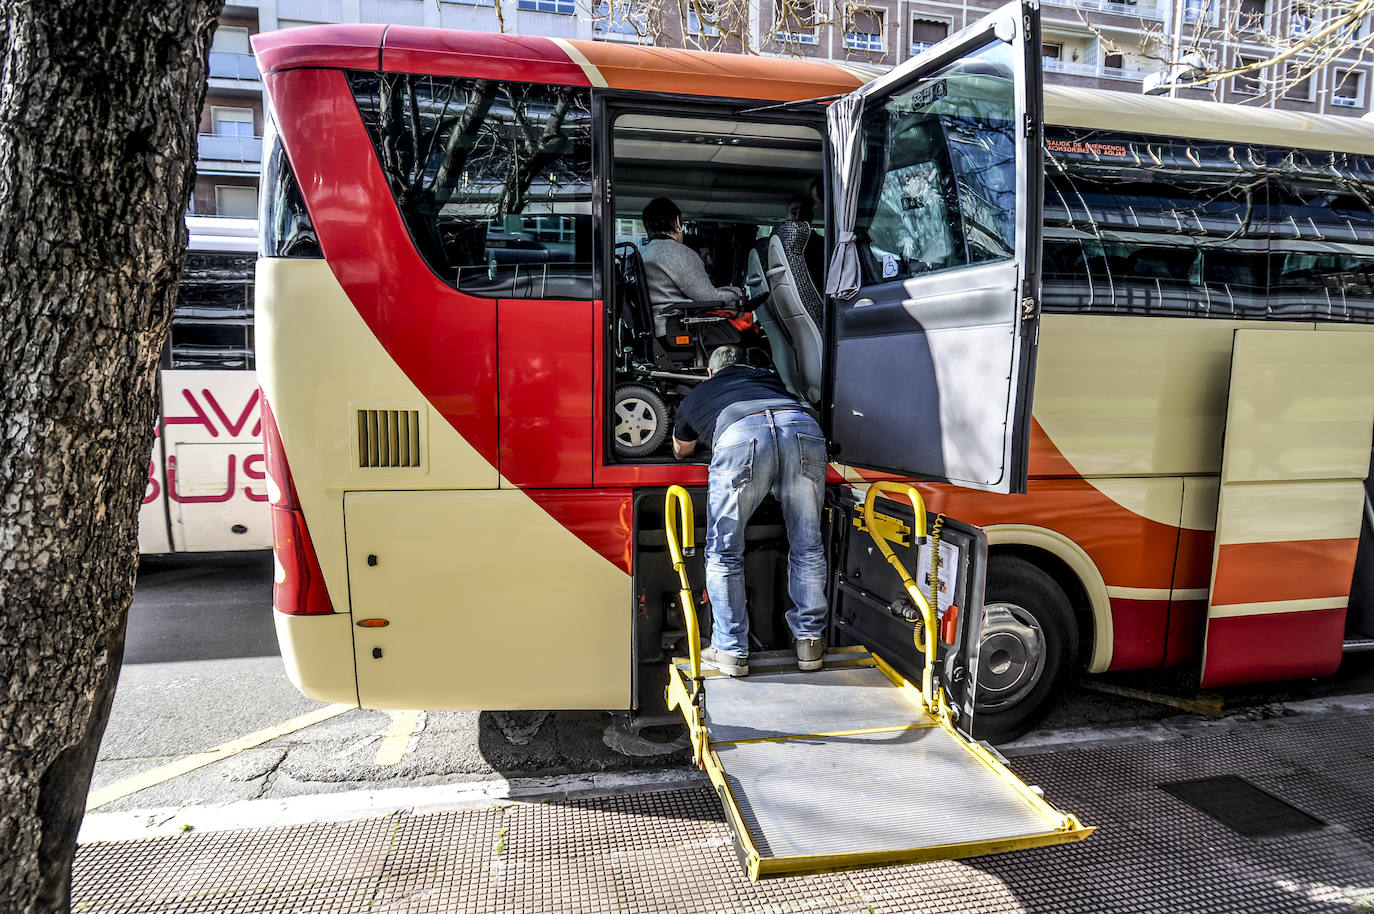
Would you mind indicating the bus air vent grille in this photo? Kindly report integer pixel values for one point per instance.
(389, 438)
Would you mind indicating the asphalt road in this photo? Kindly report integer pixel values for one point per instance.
(202, 672)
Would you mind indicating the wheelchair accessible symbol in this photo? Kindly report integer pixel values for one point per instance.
(889, 266)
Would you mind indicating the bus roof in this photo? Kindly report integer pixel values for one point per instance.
(451, 52)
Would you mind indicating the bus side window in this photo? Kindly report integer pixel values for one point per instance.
(1323, 265)
(493, 179)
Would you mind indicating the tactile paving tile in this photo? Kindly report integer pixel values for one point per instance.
(671, 851)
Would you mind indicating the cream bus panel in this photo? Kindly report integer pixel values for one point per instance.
(490, 604)
(1305, 409)
(318, 654)
(1136, 396)
(1299, 421)
(319, 364)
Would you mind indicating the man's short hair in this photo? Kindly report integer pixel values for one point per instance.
(723, 357)
(807, 208)
(661, 216)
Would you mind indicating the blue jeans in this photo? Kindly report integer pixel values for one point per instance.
(778, 451)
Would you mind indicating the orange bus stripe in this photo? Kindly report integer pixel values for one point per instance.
(1292, 570)
(651, 69)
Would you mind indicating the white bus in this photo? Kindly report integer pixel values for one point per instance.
(206, 483)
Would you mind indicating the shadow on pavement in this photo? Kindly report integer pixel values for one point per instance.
(202, 606)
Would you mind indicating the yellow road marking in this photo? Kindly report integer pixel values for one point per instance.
(121, 789)
(397, 739)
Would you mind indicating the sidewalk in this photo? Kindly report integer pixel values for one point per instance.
(669, 850)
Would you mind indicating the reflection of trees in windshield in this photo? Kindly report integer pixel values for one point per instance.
(480, 168)
(984, 156)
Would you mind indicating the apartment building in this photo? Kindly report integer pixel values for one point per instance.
(1108, 44)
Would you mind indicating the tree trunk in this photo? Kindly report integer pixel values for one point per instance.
(98, 110)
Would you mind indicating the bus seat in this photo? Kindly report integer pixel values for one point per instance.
(794, 307)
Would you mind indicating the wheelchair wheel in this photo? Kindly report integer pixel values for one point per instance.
(641, 420)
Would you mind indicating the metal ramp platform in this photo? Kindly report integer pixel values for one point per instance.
(850, 765)
(842, 768)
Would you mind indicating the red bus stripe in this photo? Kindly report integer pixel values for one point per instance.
(1242, 649)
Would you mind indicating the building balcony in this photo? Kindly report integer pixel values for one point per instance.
(1054, 65)
(1141, 9)
(234, 150)
(224, 65)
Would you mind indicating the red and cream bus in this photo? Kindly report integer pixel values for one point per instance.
(207, 489)
(466, 395)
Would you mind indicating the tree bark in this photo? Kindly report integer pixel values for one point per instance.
(98, 112)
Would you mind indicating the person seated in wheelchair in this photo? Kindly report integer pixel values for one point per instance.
(679, 287)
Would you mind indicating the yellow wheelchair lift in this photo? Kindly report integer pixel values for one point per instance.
(851, 765)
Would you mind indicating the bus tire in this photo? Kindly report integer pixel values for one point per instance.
(1028, 647)
(641, 420)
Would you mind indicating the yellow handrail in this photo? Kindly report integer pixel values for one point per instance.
(676, 496)
(918, 506)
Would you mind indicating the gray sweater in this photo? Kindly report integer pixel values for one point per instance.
(675, 273)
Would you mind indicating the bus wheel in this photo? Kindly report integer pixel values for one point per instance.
(641, 420)
(1029, 644)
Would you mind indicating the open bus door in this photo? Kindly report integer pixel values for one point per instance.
(869, 761)
(1298, 423)
(934, 281)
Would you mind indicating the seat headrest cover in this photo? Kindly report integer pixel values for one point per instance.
(794, 234)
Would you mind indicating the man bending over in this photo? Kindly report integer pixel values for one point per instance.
(762, 441)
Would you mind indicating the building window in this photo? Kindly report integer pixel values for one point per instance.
(703, 19)
(1113, 62)
(926, 33)
(231, 40)
(236, 202)
(1302, 20)
(1300, 83)
(1251, 15)
(865, 32)
(1349, 91)
(231, 121)
(565, 7)
(619, 17)
(1051, 55)
(1248, 83)
(230, 55)
(797, 22)
(1200, 11)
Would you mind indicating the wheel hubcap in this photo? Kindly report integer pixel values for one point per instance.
(635, 421)
(1011, 656)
